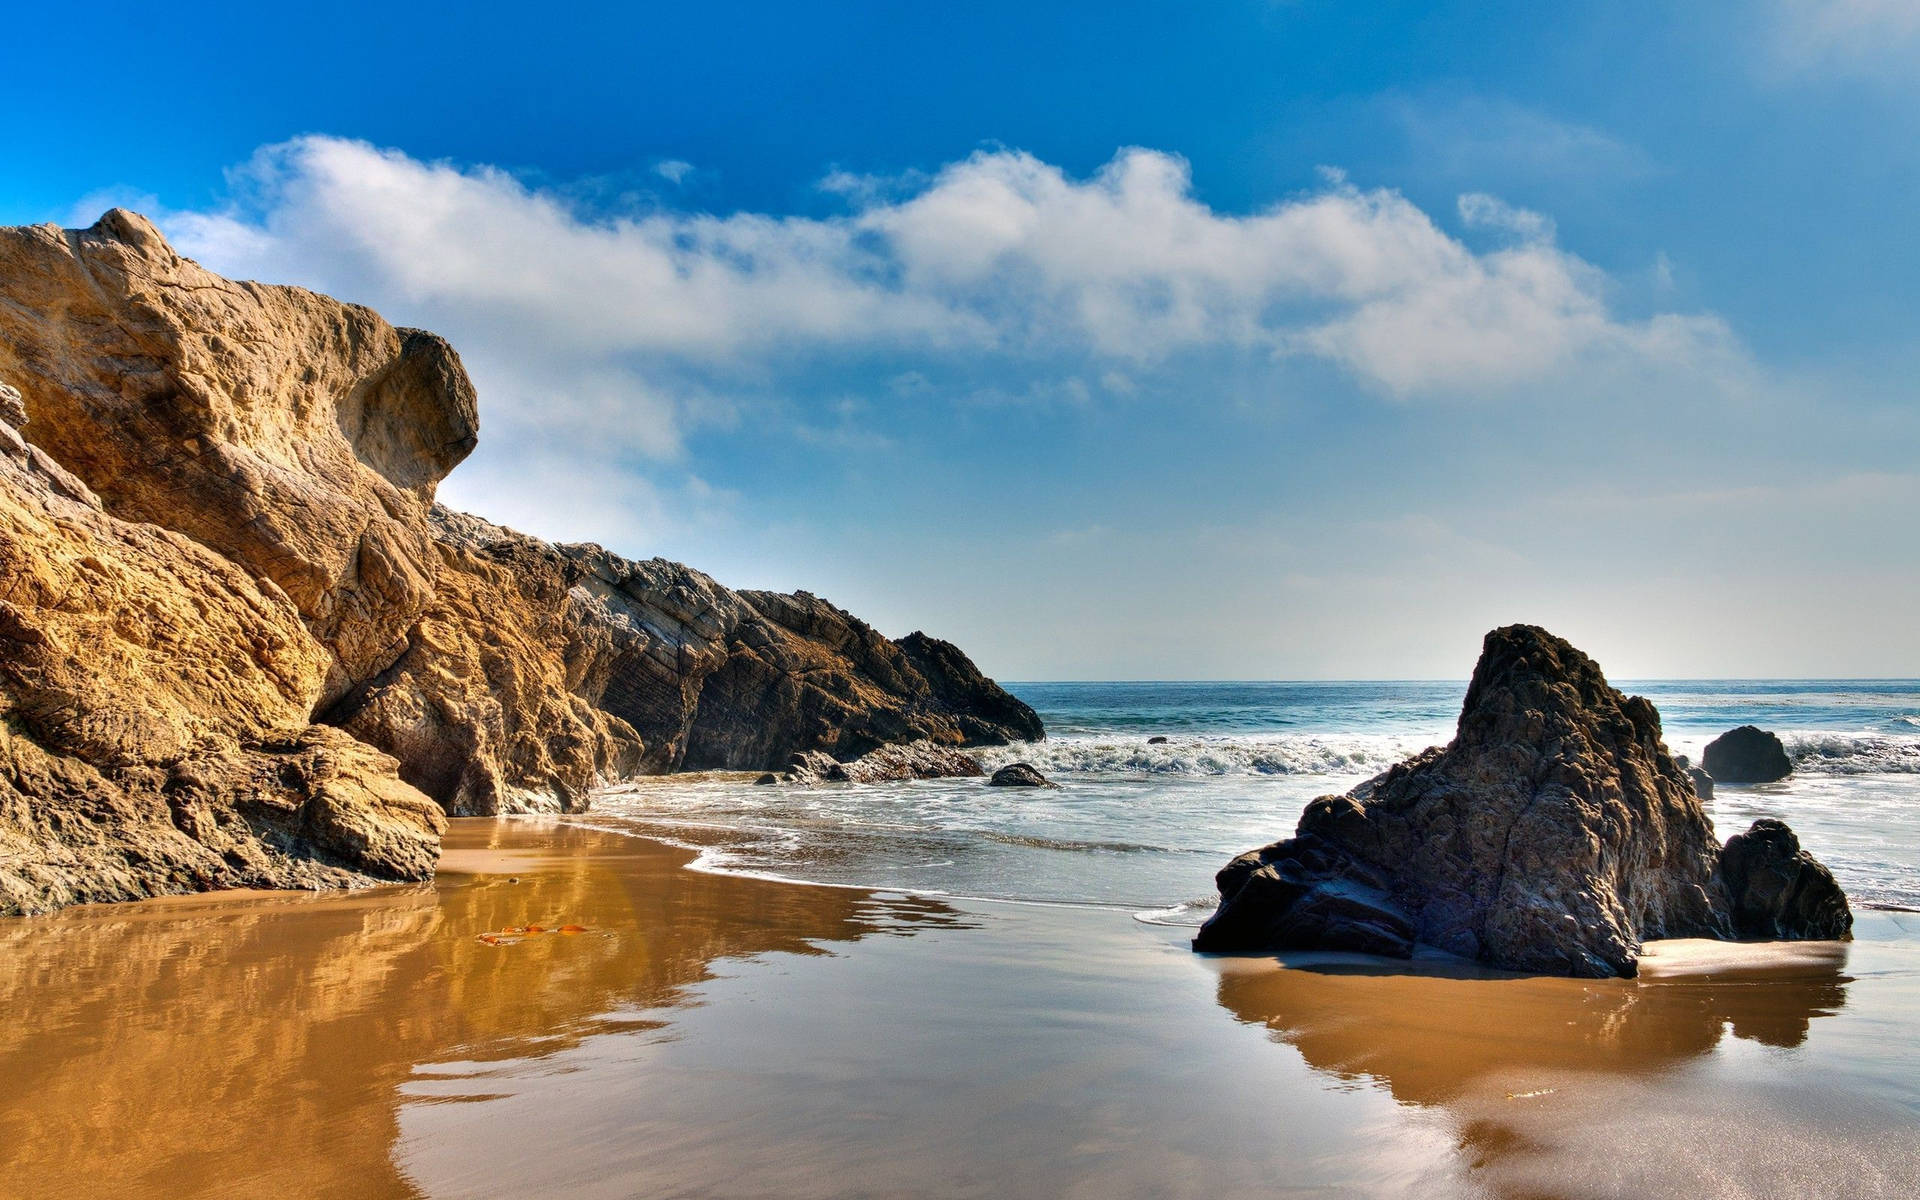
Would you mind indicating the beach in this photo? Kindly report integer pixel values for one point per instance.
(711, 1034)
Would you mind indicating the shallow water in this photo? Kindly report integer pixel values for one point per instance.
(1144, 827)
(710, 1035)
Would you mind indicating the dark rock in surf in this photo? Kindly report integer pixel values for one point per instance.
(1156, 741)
(1747, 755)
(1019, 775)
(1775, 889)
(1702, 783)
(766, 777)
(888, 764)
(1554, 834)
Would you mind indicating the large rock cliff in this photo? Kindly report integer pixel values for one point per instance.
(1554, 835)
(241, 645)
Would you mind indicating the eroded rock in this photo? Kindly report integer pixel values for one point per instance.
(1019, 775)
(917, 760)
(1747, 755)
(1776, 890)
(299, 436)
(154, 734)
(220, 528)
(1554, 834)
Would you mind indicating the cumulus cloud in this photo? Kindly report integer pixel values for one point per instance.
(618, 334)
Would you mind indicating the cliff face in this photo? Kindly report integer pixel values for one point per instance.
(219, 550)
(538, 670)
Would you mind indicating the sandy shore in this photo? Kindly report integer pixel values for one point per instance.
(715, 1036)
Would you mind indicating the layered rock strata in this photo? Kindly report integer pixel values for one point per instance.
(1554, 835)
(240, 644)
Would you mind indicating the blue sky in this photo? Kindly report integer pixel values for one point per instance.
(1272, 339)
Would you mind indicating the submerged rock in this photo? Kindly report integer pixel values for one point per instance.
(1156, 741)
(1747, 755)
(1019, 775)
(1554, 834)
(889, 764)
(1775, 889)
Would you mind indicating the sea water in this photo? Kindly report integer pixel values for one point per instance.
(1144, 826)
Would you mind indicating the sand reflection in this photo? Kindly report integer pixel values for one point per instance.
(1529, 1069)
(248, 1045)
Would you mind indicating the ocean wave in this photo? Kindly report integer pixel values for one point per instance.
(1272, 754)
(1814, 752)
(1819, 753)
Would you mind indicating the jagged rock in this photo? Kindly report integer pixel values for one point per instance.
(487, 708)
(13, 409)
(1554, 834)
(802, 674)
(985, 713)
(1156, 741)
(1019, 775)
(153, 719)
(1747, 755)
(296, 435)
(918, 760)
(1775, 889)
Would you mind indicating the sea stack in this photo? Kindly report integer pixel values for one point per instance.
(1553, 835)
(1747, 755)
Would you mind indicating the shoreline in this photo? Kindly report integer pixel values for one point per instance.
(713, 1032)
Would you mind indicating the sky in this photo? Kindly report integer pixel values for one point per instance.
(1260, 339)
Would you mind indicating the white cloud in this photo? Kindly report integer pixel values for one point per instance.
(1481, 211)
(1867, 37)
(616, 335)
(1479, 138)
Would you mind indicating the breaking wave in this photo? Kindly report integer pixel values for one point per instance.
(1853, 753)
(1253, 755)
(1813, 752)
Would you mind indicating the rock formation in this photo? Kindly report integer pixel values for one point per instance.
(889, 764)
(296, 435)
(240, 644)
(1554, 835)
(1019, 775)
(1747, 755)
(154, 734)
(1774, 889)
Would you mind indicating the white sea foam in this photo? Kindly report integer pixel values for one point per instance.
(1259, 754)
(1821, 753)
(1814, 752)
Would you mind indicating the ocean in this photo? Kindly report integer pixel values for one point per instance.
(1143, 827)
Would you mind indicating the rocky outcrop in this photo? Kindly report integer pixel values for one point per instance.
(489, 708)
(889, 764)
(801, 674)
(154, 734)
(296, 435)
(219, 529)
(1747, 755)
(1019, 775)
(1554, 834)
(1774, 889)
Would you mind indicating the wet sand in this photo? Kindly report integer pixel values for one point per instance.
(707, 1035)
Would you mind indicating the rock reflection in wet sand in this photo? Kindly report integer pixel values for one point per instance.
(255, 1044)
(1683, 1082)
